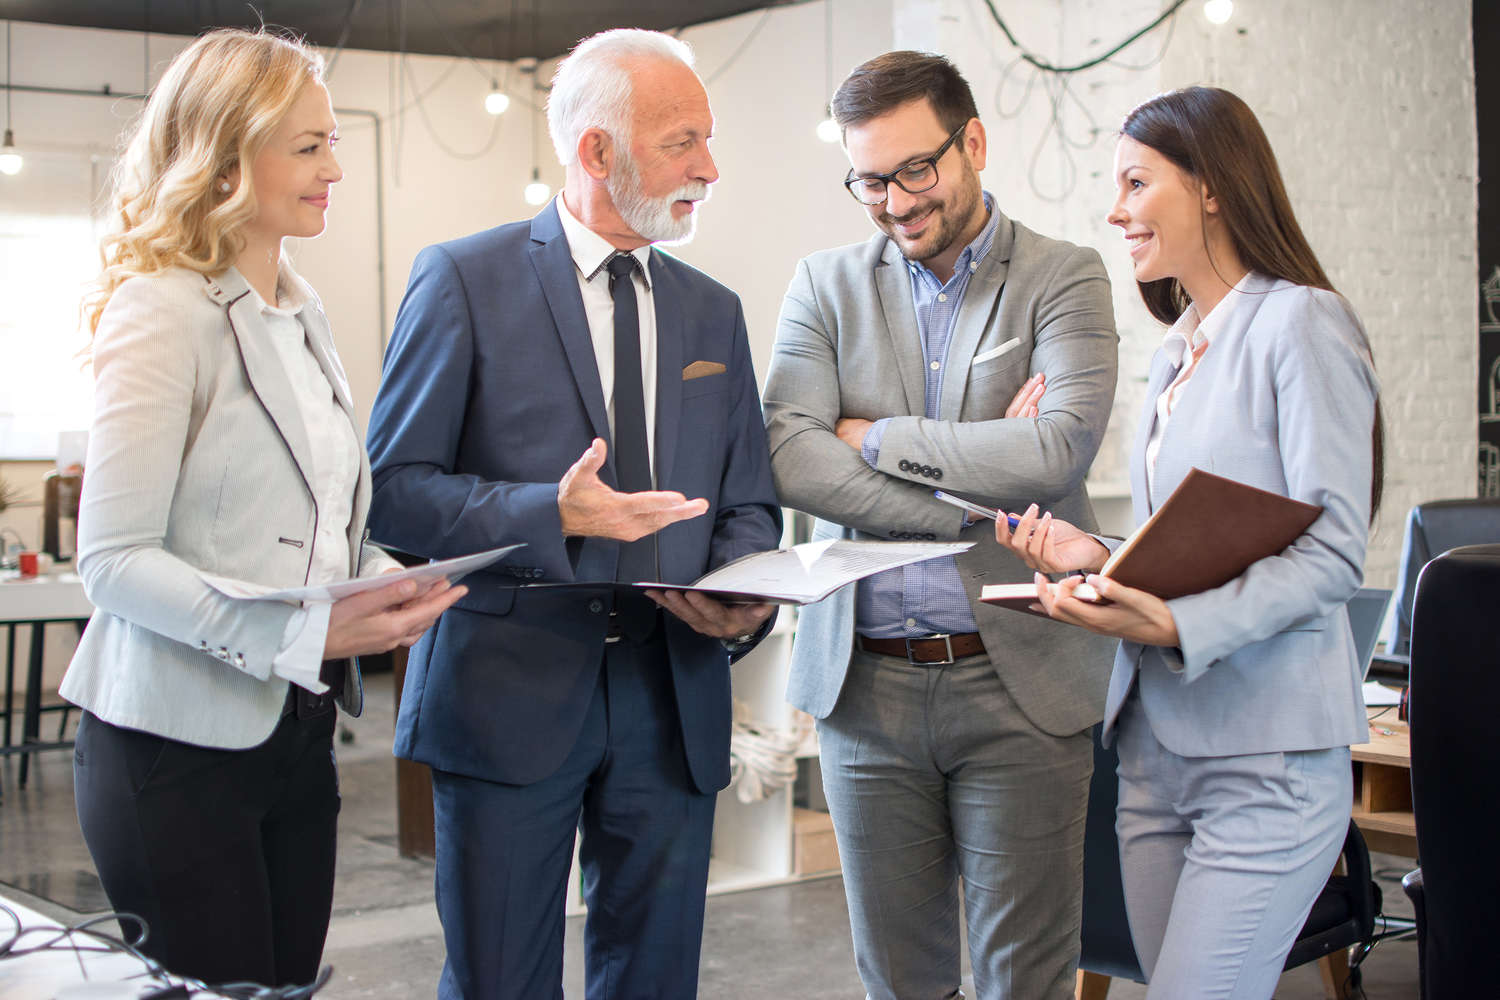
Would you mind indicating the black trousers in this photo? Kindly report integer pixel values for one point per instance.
(227, 854)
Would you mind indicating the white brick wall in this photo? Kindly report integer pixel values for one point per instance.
(1370, 107)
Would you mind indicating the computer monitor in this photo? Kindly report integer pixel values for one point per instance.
(1366, 615)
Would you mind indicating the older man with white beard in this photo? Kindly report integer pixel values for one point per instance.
(561, 383)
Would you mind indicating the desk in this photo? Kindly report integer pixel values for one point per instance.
(36, 601)
(42, 975)
(1382, 786)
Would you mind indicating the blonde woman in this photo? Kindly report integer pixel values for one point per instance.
(223, 442)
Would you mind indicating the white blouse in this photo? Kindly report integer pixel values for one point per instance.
(335, 458)
(1188, 338)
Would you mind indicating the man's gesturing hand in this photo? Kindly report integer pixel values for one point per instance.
(589, 507)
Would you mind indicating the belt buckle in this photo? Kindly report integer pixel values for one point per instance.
(947, 645)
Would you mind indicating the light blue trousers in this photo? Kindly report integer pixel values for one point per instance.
(933, 773)
(1222, 858)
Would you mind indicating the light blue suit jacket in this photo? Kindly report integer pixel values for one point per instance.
(1284, 400)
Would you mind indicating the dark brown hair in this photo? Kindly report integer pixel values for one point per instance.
(891, 80)
(1213, 137)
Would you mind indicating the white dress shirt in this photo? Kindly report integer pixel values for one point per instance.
(335, 457)
(590, 253)
(1188, 338)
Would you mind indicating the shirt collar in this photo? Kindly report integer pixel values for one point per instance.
(292, 293)
(1189, 331)
(973, 254)
(590, 251)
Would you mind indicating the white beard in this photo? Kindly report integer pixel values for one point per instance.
(649, 217)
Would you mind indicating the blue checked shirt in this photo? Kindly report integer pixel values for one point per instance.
(925, 598)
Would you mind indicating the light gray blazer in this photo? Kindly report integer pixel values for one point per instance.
(1284, 400)
(198, 459)
(847, 345)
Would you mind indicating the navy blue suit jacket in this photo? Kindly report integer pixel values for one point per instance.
(490, 391)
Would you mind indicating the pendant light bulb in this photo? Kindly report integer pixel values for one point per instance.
(828, 130)
(496, 101)
(10, 160)
(1218, 11)
(537, 192)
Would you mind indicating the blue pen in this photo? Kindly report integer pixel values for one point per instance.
(974, 508)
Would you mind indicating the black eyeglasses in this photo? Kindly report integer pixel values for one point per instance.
(914, 178)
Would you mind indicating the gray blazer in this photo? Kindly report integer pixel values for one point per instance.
(847, 345)
(1284, 400)
(198, 459)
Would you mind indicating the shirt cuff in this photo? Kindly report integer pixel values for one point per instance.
(870, 449)
(301, 656)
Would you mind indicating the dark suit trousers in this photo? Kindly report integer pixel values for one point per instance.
(503, 854)
(227, 854)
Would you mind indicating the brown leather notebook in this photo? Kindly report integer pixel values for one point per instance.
(1208, 532)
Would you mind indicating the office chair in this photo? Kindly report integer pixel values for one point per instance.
(1455, 686)
(1107, 949)
(1433, 528)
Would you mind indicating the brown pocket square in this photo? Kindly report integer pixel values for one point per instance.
(698, 369)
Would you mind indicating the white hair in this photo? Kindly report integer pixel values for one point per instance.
(591, 88)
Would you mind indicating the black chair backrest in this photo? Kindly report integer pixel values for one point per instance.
(1107, 946)
(1455, 764)
(1431, 529)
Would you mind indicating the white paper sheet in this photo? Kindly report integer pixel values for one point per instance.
(450, 569)
(811, 571)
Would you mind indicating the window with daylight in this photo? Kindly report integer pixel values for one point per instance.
(49, 254)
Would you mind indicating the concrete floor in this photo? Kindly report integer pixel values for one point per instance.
(385, 942)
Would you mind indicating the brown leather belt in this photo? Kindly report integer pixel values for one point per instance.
(937, 649)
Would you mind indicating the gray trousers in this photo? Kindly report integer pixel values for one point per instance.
(932, 774)
(1222, 858)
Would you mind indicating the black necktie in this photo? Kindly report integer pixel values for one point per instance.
(637, 614)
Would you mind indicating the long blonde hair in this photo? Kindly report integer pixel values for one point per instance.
(214, 109)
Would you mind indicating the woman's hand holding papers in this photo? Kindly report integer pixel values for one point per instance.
(1130, 614)
(377, 621)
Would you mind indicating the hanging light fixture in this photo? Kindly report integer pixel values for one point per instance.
(10, 159)
(536, 192)
(828, 129)
(1218, 11)
(497, 100)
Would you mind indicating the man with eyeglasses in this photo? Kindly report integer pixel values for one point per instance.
(954, 350)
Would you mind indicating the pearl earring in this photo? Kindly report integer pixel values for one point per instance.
(224, 186)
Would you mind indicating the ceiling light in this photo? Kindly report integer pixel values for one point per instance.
(10, 160)
(496, 101)
(828, 130)
(537, 192)
(1218, 11)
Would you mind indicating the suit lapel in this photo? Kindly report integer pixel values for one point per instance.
(894, 286)
(981, 303)
(670, 334)
(263, 368)
(553, 263)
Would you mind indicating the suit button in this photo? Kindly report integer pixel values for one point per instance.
(927, 471)
(931, 537)
(596, 605)
(937, 473)
(893, 533)
(904, 465)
